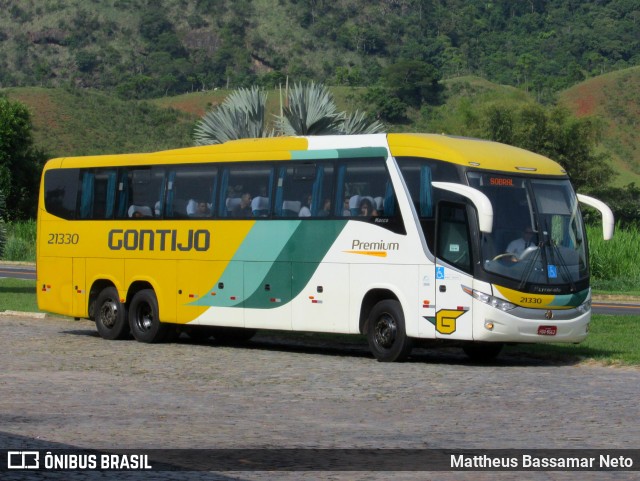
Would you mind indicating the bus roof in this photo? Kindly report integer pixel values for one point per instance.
(469, 152)
(478, 153)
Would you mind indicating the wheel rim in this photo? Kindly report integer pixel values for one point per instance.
(109, 313)
(144, 317)
(385, 331)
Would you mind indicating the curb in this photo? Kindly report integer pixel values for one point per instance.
(37, 315)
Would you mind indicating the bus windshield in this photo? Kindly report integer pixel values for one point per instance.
(538, 236)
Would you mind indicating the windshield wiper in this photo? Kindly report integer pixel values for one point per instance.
(530, 266)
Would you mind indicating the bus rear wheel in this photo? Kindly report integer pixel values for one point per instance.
(144, 319)
(111, 315)
(386, 333)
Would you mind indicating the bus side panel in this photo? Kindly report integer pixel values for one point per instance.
(196, 290)
(267, 295)
(322, 303)
(161, 274)
(55, 285)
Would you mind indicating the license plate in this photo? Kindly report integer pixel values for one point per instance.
(547, 330)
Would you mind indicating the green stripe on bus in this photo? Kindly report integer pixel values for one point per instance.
(339, 153)
(571, 300)
(275, 261)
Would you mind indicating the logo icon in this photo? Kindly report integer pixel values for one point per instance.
(23, 459)
(439, 272)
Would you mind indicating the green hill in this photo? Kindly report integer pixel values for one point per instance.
(86, 122)
(147, 49)
(81, 122)
(614, 98)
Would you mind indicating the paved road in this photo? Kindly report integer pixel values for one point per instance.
(63, 386)
(18, 271)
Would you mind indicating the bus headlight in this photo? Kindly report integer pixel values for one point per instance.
(489, 300)
(584, 307)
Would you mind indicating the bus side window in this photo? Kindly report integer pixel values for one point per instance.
(305, 190)
(367, 191)
(191, 191)
(242, 184)
(140, 193)
(97, 194)
(61, 192)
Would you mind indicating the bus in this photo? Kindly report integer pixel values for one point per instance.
(402, 238)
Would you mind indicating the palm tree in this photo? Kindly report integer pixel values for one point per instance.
(357, 123)
(241, 115)
(311, 110)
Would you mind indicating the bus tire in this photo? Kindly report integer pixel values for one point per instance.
(386, 333)
(111, 315)
(482, 351)
(144, 319)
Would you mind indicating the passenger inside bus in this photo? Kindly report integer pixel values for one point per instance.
(305, 210)
(326, 208)
(243, 209)
(366, 208)
(198, 208)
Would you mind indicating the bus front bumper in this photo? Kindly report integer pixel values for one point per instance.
(529, 325)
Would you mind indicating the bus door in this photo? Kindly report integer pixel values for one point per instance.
(453, 268)
(79, 295)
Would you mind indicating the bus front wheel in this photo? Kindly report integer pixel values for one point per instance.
(386, 332)
(111, 315)
(144, 319)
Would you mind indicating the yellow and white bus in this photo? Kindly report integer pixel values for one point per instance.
(401, 237)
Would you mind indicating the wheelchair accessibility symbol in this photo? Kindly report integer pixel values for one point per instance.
(439, 272)
(552, 271)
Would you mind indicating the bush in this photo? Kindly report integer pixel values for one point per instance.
(615, 264)
(20, 242)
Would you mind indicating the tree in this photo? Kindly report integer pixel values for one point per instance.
(413, 81)
(310, 110)
(20, 162)
(623, 201)
(3, 228)
(554, 133)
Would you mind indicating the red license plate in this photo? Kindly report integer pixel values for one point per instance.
(547, 330)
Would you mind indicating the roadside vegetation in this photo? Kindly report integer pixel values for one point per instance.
(615, 264)
(20, 243)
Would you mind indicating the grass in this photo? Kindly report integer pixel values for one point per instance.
(612, 340)
(87, 122)
(18, 295)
